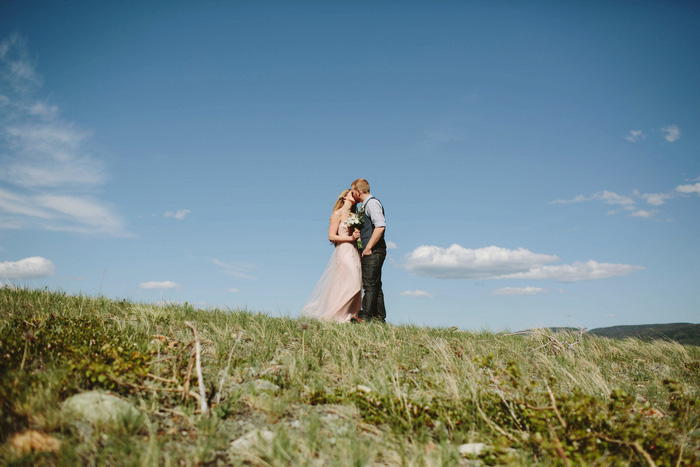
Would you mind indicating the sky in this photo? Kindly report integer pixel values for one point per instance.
(539, 162)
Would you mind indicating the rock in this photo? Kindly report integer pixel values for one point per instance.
(263, 385)
(363, 388)
(248, 440)
(296, 424)
(472, 449)
(98, 407)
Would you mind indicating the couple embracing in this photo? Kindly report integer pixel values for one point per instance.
(356, 262)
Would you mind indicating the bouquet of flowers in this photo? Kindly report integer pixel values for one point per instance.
(355, 221)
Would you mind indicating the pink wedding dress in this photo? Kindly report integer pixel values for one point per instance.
(338, 294)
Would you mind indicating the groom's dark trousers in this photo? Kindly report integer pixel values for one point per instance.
(373, 299)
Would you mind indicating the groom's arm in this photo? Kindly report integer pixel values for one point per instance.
(375, 212)
(376, 235)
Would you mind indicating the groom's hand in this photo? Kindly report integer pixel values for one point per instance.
(366, 252)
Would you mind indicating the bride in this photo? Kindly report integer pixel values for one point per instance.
(338, 294)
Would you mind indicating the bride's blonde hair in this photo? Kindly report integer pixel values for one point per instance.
(340, 201)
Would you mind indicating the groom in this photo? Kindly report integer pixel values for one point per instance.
(373, 252)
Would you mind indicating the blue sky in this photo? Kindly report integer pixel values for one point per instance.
(539, 162)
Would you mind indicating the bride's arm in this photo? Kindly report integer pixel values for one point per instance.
(333, 230)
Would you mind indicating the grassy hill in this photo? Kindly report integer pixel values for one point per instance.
(280, 391)
(683, 333)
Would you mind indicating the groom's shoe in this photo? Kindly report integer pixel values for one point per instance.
(356, 320)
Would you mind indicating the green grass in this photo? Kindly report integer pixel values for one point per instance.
(368, 394)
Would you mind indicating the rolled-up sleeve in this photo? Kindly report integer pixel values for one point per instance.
(375, 212)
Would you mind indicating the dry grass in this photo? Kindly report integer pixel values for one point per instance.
(308, 384)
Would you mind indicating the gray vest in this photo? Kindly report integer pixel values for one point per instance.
(368, 229)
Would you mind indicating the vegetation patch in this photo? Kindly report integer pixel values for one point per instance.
(203, 382)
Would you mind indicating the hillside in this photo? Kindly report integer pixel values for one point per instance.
(683, 333)
(103, 382)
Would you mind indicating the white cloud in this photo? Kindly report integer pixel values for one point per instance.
(578, 271)
(159, 285)
(179, 215)
(520, 291)
(28, 268)
(390, 245)
(46, 163)
(695, 188)
(233, 290)
(459, 262)
(635, 136)
(416, 294)
(673, 133)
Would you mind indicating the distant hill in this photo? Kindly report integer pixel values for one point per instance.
(683, 333)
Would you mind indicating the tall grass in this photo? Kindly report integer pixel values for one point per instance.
(312, 393)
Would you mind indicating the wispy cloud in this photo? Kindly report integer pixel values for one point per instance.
(48, 172)
(457, 262)
(520, 291)
(656, 199)
(628, 204)
(179, 215)
(28, 268)
(239, 270)
(49, 153)
(159, 285)
(91, 216)
(578, 271)
(391, 245)
(416, 294)
(673, 133)
(609, 197)
(644, 214)
(635, 136)
(16, 68)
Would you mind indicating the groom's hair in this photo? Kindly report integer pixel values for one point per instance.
(362, 185)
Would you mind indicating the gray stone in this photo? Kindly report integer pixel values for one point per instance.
(471, 449)
(248, 440)
(97, 408)
(263, 385)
